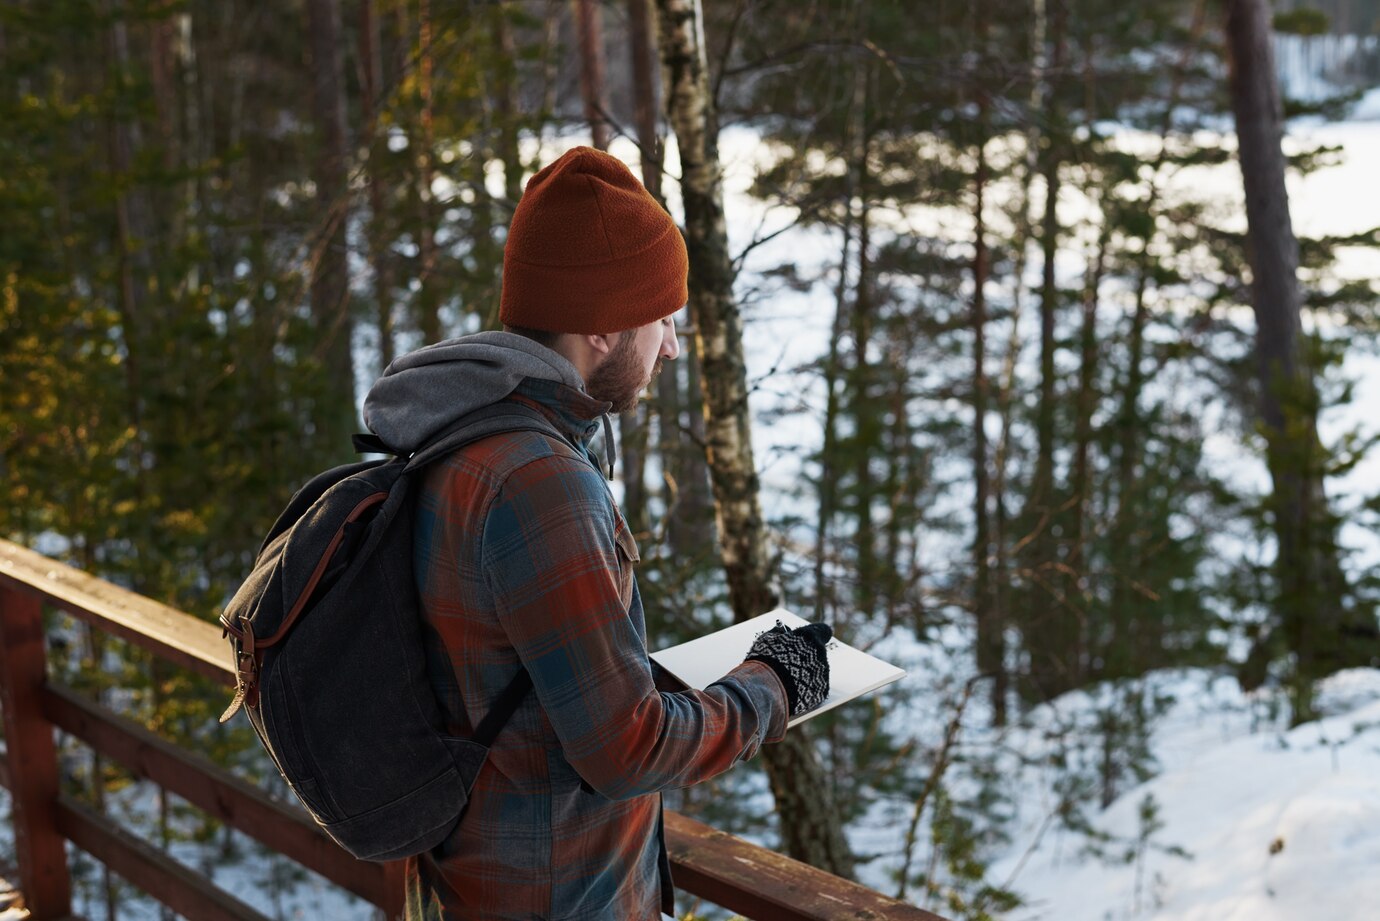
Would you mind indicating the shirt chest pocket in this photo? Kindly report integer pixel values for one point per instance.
(628, 559)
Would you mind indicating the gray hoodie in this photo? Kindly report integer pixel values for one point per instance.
(423, 392)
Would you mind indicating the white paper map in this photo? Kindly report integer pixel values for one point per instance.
(701, 662)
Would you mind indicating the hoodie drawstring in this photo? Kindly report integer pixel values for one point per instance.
(610, 446)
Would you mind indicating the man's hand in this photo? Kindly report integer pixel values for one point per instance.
(800, 659)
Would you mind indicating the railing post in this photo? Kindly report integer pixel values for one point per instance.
(32, 759)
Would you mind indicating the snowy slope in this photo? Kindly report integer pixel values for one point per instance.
(1257, 823)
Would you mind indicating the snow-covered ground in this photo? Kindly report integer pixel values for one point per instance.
(1246, 821)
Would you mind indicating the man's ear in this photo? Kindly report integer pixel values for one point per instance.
(601, 343)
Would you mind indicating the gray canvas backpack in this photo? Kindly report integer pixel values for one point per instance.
(330, 649)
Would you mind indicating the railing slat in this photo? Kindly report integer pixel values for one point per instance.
(180, 888)
(767, 886)
(32, 758)
(168, 632)
(233, 801)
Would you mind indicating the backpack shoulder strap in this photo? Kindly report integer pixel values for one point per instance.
(510, 417)
(308, 495)
(503, 709)
(491, 420)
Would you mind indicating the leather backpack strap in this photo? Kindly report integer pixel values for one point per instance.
(503, 709)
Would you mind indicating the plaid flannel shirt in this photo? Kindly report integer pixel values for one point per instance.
(523, 559)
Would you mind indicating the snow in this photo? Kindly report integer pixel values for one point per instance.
(1258, 823)
(1368, 108)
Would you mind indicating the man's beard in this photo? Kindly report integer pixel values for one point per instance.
(619, 378)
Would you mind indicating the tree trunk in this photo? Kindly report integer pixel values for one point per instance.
(697, 506)
(644, 93)
(509, 111)
(371, 99)
(898, 574)
(161, 71)
(632, 427)
(589, 27)
(632, 451)
(134, 232)
(689, 505)
(1309, 607)
(866, 419)
(1076, 572)
(1132, 632)
(991, 644)
(1004, 549)
(670, 444)
(428, 295)
(551, 62)
(1077, 577)
(330, 279)
(828, 492)
(810, 829)
(1051, 628)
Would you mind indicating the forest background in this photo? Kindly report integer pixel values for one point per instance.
(998, 331)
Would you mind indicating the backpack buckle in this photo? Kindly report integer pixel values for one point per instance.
(246, 671)
(247, 677)
(227, 628)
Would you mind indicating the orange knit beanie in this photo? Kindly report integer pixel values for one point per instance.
(590, 251)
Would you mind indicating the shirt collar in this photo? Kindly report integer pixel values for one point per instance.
(576, 414)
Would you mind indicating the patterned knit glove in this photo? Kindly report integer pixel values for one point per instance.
(799, 659)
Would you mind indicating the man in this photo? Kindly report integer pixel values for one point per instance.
(524, 561)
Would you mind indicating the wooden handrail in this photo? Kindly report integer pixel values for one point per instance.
(766, 886)
(729, 871)
(165, 631)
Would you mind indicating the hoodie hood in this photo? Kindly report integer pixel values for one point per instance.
(423, 392)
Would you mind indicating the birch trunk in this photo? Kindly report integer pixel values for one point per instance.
(810, 829)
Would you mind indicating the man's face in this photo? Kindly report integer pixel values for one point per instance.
(632, 363)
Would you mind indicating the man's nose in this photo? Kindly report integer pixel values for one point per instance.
(670, 346)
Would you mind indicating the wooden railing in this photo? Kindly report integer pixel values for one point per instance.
(712, 865)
